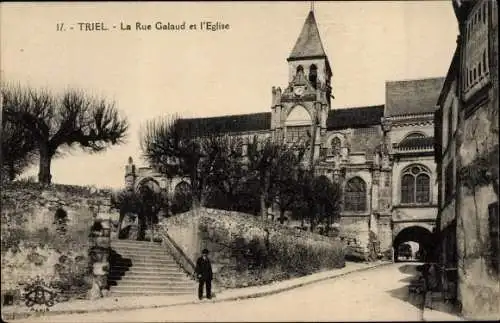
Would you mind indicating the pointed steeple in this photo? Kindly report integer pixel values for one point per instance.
(308, 44)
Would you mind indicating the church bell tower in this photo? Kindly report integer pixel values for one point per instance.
(300, 111)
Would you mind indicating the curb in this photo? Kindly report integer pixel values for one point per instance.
(14, 316)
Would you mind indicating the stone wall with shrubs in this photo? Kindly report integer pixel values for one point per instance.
(45, 232)
(247, 251)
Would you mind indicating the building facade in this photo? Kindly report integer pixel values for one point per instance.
(382, 155)
(467, 163)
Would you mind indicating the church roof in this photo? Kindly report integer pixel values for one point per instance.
(417, 143)
(309, 42)
(355, 117)
(412, 96)
(230, 123)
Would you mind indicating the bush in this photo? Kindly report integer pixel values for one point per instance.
(249, 251)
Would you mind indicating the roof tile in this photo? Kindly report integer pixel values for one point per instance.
(309, 42)
(230, 123)
(412, 96)
(355, 117)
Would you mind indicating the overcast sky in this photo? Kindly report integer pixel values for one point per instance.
(201, 73)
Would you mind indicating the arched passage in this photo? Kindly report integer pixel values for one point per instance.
(142, 204)
(182, 199)
(149, 183)
(418, 234)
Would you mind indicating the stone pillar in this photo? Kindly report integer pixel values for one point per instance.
(130, 174)
(337, 175)
(99, 252)
(375, 190)
(344, 153)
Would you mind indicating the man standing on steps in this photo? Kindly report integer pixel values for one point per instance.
(204, 274)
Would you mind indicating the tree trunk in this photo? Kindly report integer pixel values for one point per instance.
(196, 202)
(44, 176)
(264, 182)
(12, 172)
(142, 227)
(312, 217)
(152, 229)
(263, 211)
(282, 216)
(120, 222)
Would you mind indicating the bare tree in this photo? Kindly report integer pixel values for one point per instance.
(261, 155)
(211, 161)
(171, 147)
(327, 197)
(18, 149)
(63, 121)
(284, 186)
(223, 167)
(265, 159)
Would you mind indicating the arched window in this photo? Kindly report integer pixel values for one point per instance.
(415, 135)
(336, 144)
(355, 195)
(415, 185)
(313, 75)
(300, 68)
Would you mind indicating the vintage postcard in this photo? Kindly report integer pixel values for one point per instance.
(249, 161)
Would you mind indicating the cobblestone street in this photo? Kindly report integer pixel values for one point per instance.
(379, 294)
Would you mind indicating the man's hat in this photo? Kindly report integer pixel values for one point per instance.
(205, 251)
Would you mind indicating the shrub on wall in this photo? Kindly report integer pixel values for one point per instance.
(248, 251)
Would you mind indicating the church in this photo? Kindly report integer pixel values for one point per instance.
(382, 155)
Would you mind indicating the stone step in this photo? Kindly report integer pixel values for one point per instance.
(136, 244)
(152, 289)
(142, 248)
(156, 265)
(146, 262)
(163, 273)
(173, 279)
(159, 283)
(146, 293)
(138, 256)
(135, 254)
(145, 269)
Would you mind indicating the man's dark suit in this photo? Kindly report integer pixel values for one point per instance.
(204, 275)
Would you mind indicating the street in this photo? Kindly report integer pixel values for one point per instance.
(379, 294)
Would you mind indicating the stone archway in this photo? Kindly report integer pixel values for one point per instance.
(140, 211)
(421, 235)
(150, 183)
(182, 198)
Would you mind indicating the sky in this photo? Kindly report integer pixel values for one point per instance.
(197, 73)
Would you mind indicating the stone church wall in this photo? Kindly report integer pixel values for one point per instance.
(385, 234)
(354, 232)
(365, 140)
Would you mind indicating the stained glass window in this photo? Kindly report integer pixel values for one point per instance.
(422, 193)
(298, 134)
(336, 146)
(415, 185)
(355, 195)
(407, 189)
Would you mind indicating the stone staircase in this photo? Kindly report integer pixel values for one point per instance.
(145, 268)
